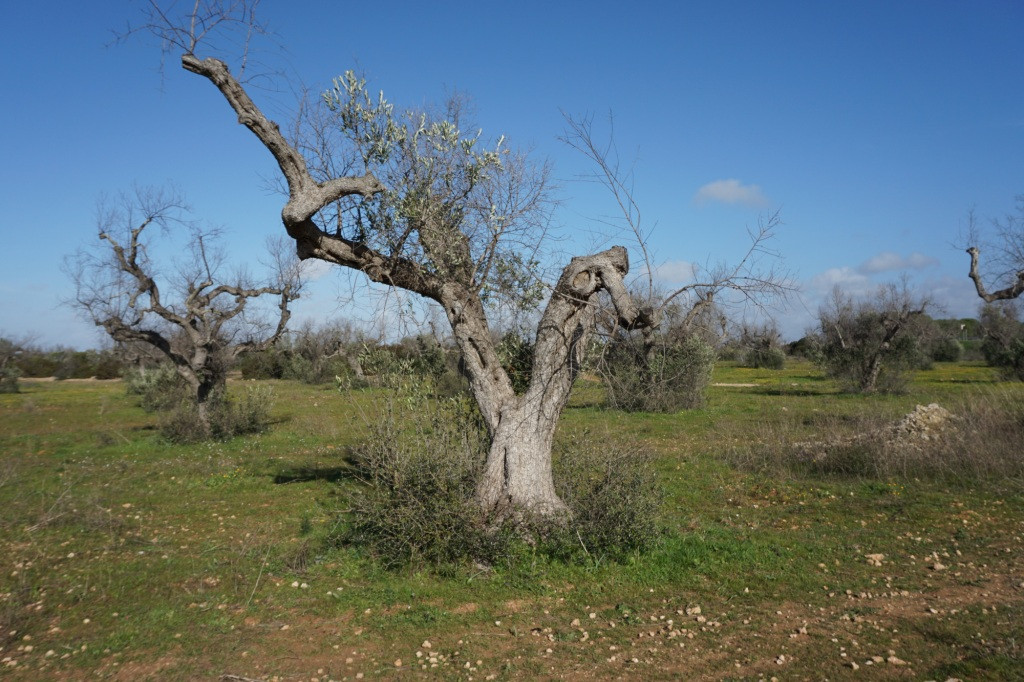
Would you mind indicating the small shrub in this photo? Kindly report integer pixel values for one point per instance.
(516, 355)
(946, 349)
(159, 388)
(613, 492)
(9, 379)
(420, 471)
(870, 345)
(674, 378)
(760, 346)
(772, 357)
(420, 467)
(227, 418)
(265, 364)
(1003, 346)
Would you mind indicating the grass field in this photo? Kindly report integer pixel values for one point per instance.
(123, 557)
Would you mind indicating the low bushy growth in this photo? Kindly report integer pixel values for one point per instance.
(227, 417)
(976, 438)
(419, 468)
(946, 349)
(673, 376)
(613, 492)
(159, 388)
(760, 346)
(9, 379)
(771, 357)
(1003, 346)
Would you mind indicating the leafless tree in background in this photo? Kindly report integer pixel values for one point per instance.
(1006, 265)
(191, 317)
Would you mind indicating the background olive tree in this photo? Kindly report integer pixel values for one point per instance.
(204, 323)
(869, 345)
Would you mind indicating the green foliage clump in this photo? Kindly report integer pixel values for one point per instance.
(946, 349)
(771, 357)
(159, 388)
(671, 376)
(420, 469)
(761, 347)
(613, 492)
(227, 418)
(9, 379)
(1003, 346)
(869, 346)
(516, 355)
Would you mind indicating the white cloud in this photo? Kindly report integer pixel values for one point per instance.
(314, 269)
(731, 192)
(675, 272)
(850, 280)
(887, 260)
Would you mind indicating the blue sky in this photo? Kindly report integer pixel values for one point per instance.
(873, 126)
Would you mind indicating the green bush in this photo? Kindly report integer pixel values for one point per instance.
(9, 379)
(265, 364)
(771, 357)
(227, 418)
(1003, 346)
(420, 469)
(613, 493)
(675, 376)
(946, 349)
(159, 388)
(516, 355)
(870, 345)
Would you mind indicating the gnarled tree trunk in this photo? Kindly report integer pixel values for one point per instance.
(517, 474)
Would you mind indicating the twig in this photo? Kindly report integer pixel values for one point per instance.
(258, 576)
(578, 537)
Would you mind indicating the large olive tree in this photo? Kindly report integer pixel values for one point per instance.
(414, 201)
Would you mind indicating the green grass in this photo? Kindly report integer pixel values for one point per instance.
(129, 557)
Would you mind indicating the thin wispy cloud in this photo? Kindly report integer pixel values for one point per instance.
(731, 191)
(675, 272)
(887, 261)
(850, 280)
(314, 269)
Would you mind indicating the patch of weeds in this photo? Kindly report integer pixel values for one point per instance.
(422, 615)
(975, 437)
